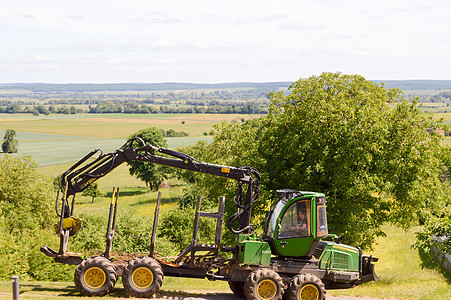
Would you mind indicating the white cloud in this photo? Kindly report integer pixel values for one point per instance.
(75, 17)
(155, 17)
(235, 40)
(400, 53)
(264, 19)
(311, 24)
(41, 58)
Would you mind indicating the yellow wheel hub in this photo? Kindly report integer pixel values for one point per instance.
(266, 289)
(142, 278)
(309, 292)
(94, 278)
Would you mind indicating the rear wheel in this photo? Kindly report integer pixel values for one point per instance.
(263, 284)
(142, 277)
(306, 287)
(95, 276)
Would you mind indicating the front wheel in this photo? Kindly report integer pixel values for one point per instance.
(142, 277)
(263, 284)
(95, 276)
(306, 287)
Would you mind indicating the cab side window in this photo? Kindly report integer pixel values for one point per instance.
(296, 220)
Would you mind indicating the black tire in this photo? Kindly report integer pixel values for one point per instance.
(95, 276)
(263, 284)
(306, 287)
(237, 289)
(142, 277)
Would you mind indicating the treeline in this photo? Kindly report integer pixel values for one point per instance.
(150, 98)
(440, 98)
(164, 97)
(133, 108)
(173, 133)
(40, 109)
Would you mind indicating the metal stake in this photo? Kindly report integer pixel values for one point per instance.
(15, 287)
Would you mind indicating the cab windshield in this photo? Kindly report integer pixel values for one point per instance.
(295, 222)
(272, 219)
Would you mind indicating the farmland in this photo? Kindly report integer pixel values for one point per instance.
(55, 141)
(58, 139)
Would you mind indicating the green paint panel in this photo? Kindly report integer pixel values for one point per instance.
(340, 257)
(253, 252)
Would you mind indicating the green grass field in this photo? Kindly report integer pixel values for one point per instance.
(173, 288)
(58, 139)
(56, 151)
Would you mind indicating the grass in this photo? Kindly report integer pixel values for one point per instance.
(56, 152)
(50, 149)
(398, 267)
(172, 286)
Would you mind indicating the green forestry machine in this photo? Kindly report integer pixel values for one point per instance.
(295, 258)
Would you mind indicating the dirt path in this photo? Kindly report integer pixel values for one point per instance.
(62, 291)
(230, 296)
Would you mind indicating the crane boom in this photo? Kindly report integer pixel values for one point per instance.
(76, 179)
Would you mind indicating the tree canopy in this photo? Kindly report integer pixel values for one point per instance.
(372, 152)
(151, 174)
(92, 190)
(10, 143)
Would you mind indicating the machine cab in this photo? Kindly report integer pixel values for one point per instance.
(296, 222)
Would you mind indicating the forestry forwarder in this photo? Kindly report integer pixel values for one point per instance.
(291, 258)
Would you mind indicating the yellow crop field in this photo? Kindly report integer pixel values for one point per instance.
(115, 126)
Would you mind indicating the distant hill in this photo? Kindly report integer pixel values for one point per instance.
(263, 86)
(417, 84)
(95, 87)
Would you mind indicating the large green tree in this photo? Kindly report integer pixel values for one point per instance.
(153, 175)
(372, 152)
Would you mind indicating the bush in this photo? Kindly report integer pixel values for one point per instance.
(435, 236)
(91, 236)
(42, 267)
(20, 255)
(132, 235)
(24, 195)
(25, 216)
(177, 227)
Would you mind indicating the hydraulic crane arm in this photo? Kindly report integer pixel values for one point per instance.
(78, 177)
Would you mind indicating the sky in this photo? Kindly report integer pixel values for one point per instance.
(211, 41)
